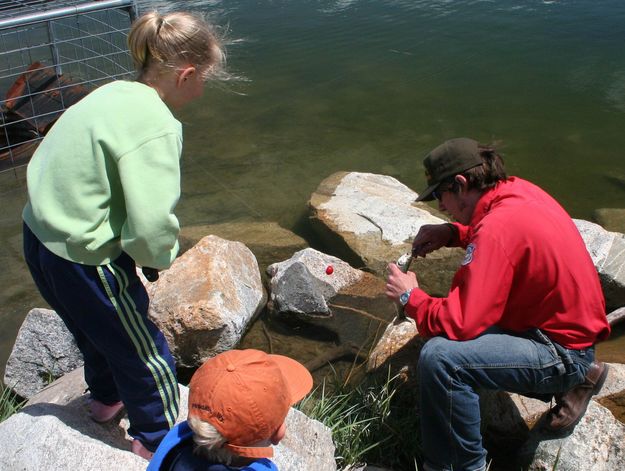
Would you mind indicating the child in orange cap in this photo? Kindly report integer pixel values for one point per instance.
(238, 403)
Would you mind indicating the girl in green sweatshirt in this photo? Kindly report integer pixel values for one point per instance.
(102, 189)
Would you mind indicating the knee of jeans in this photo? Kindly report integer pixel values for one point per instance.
(432, 356)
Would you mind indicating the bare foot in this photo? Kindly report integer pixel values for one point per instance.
(139, 449)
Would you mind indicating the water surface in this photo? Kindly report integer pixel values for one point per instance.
(372, 85)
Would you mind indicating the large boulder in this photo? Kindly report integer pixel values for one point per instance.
(370, 220)
(324, 290)
(512, 425)
(397, 350)
(43, 351)
(607, 250)
(267, 240)
(54, 432)
(508, 419)
(206, 300)
(597, 443)
(307, 445)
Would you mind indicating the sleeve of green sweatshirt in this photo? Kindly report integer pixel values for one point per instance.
(150, 177)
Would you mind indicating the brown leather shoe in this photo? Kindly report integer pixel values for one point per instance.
(571, 405)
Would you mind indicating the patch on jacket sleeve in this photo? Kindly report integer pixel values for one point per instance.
(468, 257)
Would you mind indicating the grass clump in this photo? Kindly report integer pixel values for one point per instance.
(372, 422)
(9, 403)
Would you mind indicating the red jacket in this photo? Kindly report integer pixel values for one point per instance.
(526, 267)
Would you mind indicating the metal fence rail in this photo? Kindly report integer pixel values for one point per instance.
(52, 53)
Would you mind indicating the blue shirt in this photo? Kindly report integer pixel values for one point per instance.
(175, 453)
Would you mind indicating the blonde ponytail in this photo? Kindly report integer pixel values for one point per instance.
(165, 41)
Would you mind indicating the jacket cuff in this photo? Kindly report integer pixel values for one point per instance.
(462, 239)
(417, 296)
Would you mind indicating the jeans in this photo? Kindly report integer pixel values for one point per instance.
(450, 372)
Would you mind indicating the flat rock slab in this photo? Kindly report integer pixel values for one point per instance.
(60, 436)
(43, 351)
(374, 215)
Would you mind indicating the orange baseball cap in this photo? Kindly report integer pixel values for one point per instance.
(246, 395)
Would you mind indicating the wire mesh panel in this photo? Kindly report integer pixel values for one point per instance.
(52, 53)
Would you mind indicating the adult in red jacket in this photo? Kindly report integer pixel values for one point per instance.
(524, 311)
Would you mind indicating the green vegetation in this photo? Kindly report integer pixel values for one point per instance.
(371, 423)
(9, 403)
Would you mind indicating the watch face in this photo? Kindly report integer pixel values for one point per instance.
(404, 297)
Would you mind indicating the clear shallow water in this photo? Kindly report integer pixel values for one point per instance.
(372, 85)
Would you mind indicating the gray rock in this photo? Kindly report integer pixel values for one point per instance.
(607, 250)
(370, 220)
(349, 305)
(307, 445)
(303, 285)
(398, 348)
(617, 316)
(60, 436)
(298, 291)
(63, 438)
(597, 443)
(49, 436)
(206, 300)
(508, 419)
(43, 351)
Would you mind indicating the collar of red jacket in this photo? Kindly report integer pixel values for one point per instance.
(486, 201)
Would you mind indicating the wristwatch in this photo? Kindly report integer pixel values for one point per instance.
(404, 297)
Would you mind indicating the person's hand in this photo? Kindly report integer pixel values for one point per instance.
(399, 282)
(432, 237)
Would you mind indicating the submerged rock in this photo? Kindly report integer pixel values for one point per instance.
(612, 219)
(206, 300)
(268, 241)
(43, 351)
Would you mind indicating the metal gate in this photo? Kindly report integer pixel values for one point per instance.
(52, 53)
